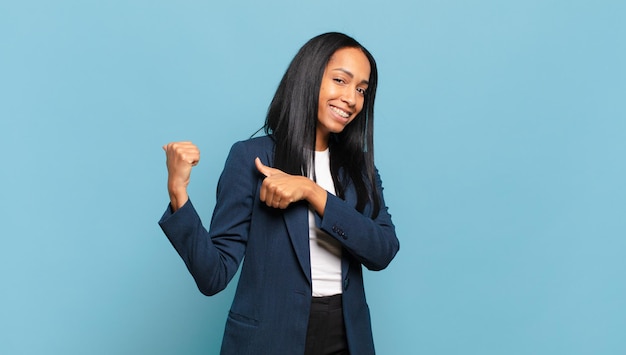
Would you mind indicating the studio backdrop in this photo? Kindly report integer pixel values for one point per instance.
(500, 136)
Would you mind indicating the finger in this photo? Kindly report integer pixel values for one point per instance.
(183, 152)
(263, 192)
(169, 147)
(275, 201)
(269, 193)
(265, 170)
(188, 153)
(190, 157)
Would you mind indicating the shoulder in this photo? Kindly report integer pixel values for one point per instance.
(262, 147)
(239, 168)
(260, 144)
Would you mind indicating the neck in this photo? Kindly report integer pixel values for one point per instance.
(321, 141)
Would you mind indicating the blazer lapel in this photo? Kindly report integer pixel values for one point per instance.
(296, 219)
(350, 197)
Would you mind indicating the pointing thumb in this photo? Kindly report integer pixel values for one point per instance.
(262, 168)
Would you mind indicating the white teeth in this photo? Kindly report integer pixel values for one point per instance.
(340, 112)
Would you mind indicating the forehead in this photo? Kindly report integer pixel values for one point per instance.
(352, 60)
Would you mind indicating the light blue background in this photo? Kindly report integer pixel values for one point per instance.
(500, 136)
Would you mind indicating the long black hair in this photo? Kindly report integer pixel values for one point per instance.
(292, 119)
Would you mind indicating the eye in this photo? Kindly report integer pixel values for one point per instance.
(361, 91)
(339, 80)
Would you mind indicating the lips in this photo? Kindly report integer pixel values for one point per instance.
(340, 112)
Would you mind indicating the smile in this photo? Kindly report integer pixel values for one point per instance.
(340, 112)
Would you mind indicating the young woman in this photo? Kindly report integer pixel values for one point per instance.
(303, 203)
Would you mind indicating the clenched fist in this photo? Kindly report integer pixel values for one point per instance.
(180, 158)
(279, 189)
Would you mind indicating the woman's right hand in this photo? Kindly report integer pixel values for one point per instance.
(180, 158)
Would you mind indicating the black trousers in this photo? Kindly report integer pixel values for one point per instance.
(326, 333)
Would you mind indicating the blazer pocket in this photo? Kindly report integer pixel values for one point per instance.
(241, 336)
(241, 319)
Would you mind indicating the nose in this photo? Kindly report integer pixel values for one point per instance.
(349, 96)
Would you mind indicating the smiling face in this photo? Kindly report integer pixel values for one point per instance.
(342, 93)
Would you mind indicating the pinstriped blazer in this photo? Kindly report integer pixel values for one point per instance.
(270, 310)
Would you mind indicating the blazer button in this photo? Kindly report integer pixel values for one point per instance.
(345, 284)
(340, 232)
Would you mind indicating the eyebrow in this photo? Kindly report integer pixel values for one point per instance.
(349, 73)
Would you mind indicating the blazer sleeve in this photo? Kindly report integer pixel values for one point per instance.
(373, 242)
(213, 256)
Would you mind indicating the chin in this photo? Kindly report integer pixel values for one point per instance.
(337, 130)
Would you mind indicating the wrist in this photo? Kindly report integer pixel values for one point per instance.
(178, 197)
(316, 197)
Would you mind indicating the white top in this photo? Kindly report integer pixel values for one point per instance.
(325, 250)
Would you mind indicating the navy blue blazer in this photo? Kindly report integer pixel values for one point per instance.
(270, 311)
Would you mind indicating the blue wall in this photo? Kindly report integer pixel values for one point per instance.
(501, 139)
